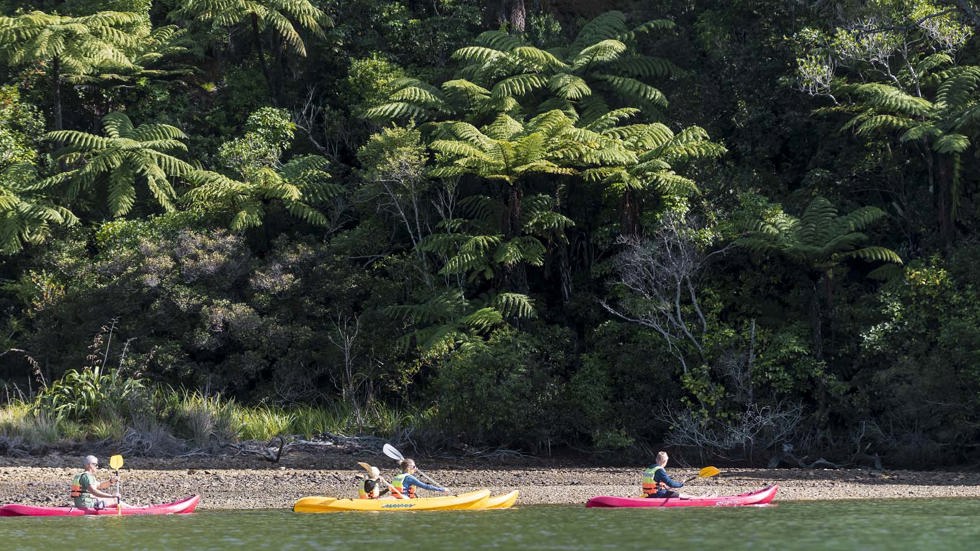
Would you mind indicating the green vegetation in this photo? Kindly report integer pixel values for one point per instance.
(546, 226)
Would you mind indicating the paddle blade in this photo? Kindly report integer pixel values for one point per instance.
(708, 472)
(365, 466)
(392, 452)
(116, 462)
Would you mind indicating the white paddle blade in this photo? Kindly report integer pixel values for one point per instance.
(393, 453)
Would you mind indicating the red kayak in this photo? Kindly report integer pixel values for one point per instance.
(186, 505)
(757, 497)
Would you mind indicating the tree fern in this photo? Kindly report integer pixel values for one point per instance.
(26, 215)
(129, 155)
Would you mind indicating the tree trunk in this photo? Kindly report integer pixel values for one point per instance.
(631, 214)
(262, 60)
(514, 14)
(944, 200)
(56, 88)
(816, 321)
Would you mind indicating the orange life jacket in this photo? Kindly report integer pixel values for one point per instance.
(398, 483)
(373, 493)
(650, 484)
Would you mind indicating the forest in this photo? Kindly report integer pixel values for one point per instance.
(736, 229)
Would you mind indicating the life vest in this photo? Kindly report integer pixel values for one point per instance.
(398, 483)
(650, 484)
(76, 486)
(370, 489)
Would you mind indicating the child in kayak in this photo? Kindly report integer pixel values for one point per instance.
(405, 484)
(86, 490)
(656, 481)
(374, 486)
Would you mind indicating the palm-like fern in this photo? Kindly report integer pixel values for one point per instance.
(70, 48)
(298, 186)
(282, 18)
(447, 318)
(650, 153)
(126, 155)
(501, 73)
(943, 126)
(26, 217)
(508, 151)
(822, 241)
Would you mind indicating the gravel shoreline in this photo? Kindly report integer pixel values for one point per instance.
(238, 482)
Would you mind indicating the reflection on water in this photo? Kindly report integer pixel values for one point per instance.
(847, 525)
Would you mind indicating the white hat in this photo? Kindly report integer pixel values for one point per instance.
(90, 460)
(375, 473)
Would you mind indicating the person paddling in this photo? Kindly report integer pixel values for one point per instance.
(86, 490)
(656, 481)
(405, 484)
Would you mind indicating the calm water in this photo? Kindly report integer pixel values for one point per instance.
(890, 524)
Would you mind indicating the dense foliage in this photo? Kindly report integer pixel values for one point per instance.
(742, 228)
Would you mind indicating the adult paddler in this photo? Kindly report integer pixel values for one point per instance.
(86, 490)
(405, 483)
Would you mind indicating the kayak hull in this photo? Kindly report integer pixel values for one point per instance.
(180, 507)
(757, 497)
(315, 504)
(503, 501)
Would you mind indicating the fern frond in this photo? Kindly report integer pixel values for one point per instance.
(483, 320)
(644, 67)
(891, 99)
(951, 143)
(514, 305)
(876, 254)
(601, 52)
(634, 89)
(541, 60)
(569, 86)
(518, 86)
(499, 40)
(604, 26)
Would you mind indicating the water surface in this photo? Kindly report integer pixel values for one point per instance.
(846, 525)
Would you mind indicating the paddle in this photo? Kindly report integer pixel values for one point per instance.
(706, 472)
(116, 463)
(393, 453)
(394, 491)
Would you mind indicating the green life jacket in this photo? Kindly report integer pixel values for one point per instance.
(81, 497)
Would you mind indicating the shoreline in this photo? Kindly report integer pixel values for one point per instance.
(243, 482)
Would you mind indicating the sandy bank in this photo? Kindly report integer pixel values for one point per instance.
(239, 482)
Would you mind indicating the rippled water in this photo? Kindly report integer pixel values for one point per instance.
(846, 525)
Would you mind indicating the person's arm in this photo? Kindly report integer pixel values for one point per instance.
(662, 476)
(94, 489)
(109, 482)
(412, 481)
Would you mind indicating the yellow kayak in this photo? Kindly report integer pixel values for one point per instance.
(316, 504)
(504, 501)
